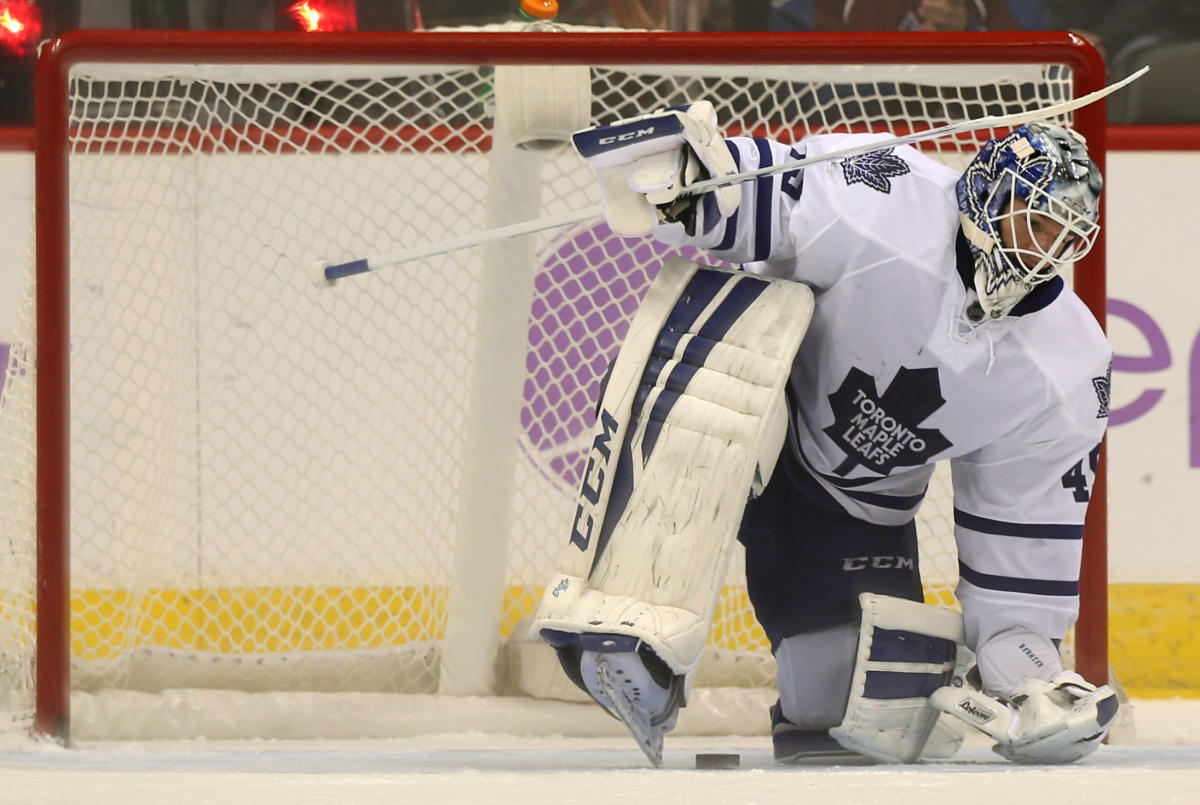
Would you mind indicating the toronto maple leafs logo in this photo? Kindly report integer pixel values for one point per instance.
(875, 169)
(881, 432)
(1103, 387)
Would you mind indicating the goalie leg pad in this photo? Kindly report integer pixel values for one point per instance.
(691, 422)
(906, 651)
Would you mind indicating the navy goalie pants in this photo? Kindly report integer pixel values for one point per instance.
(807, 559)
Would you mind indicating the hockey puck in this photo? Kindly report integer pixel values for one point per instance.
(705, 760)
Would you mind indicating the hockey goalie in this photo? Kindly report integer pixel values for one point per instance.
(890, 313)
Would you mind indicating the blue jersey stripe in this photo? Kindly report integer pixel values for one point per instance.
(1004, 528)
(846, 485)
(731, 223)
(894, 502)
(1013, 584)
(763, 202)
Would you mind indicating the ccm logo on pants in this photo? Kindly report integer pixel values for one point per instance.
(877, 563)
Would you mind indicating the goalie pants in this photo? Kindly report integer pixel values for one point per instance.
(807, 559)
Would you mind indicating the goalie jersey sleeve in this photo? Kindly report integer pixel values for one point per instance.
(1020, 501)
(805, 224)
(759, 227)
(892, 377)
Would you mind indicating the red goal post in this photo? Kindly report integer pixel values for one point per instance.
(63, 141)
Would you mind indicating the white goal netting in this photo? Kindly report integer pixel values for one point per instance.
(361, 489)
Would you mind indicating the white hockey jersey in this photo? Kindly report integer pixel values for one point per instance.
(893, 376)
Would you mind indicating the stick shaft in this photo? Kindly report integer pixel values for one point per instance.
(962, 127)
(339, 270)
(336, 271)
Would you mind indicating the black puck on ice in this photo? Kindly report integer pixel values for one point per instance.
(715, 760)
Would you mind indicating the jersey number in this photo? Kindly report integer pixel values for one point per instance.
(793, 181)
(1077, 481)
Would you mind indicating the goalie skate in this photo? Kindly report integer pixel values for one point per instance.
(616, 674)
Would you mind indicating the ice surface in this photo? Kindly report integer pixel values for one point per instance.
(1160, 765)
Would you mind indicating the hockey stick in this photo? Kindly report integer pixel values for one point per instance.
(325, 274)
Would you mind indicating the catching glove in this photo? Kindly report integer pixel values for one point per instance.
(1056, 721)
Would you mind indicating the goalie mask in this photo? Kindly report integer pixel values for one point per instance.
(1028, 203)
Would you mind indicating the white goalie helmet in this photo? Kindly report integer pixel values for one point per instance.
(1029, 204)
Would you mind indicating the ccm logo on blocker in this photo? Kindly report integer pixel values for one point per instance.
(629, 135)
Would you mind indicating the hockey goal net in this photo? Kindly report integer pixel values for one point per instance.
(218, 477)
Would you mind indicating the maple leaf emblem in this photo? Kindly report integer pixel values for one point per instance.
(882, 432)
(875, 169)
(1103, 387)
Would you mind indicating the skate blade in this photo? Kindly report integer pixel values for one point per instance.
(636, 721)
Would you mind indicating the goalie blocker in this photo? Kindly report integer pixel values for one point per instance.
(646, 163)
(690, 423)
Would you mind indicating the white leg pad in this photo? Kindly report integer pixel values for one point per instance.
(906, 651)
(691, 423)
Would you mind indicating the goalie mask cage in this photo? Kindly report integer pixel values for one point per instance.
(217, 477)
